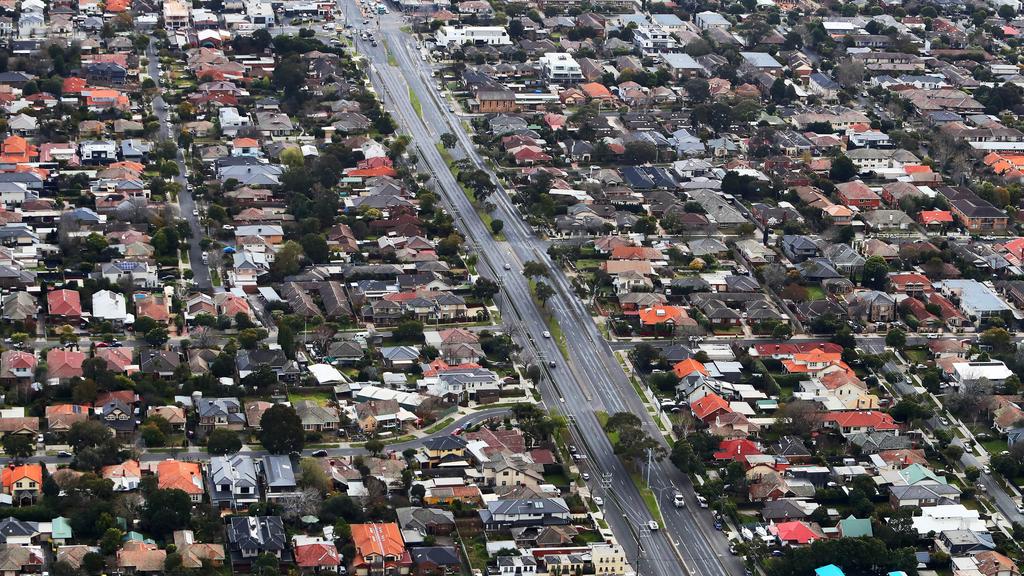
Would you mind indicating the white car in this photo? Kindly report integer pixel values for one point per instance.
(598, 500)
(547, 334)
(653, 524)
(585, 476)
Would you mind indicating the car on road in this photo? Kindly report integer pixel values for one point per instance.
(547, 334)
(458, 431)
(986, 469)
(195, 211)
(678, 501)
(206, 258)
(718, 525)
(1020, 508)
(702, 501)
(508, 266)
(653, 524)
(552, 363)
(64, 454)
(598, 500)
(573, 449)
(585, 476)
(319, 453)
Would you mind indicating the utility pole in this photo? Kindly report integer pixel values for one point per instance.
(650, 456)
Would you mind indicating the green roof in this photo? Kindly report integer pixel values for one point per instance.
(917, 472)
(61, 528)
(852, 527)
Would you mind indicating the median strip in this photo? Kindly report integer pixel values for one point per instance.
(416, 106)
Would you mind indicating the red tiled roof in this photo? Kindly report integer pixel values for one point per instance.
(64, 303)
(709, 405)
(737, 449)
(317, 554)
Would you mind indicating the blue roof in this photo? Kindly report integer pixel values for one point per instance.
(830, 570)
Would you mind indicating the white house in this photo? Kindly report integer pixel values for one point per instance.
(110, 306)
(231, 121)
(97, 151)
(560, 67)
(489, 35)
(707, 20)
(993, 371)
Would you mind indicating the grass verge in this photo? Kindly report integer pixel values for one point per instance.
(416, 106)
(392, 61)
(556, 333)
(438, 426)
(650, 500)
(214, 277)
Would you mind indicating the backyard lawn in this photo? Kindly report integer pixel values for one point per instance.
(815, 293)
(916, 355)
(321, 398)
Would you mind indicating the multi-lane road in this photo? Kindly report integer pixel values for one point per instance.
(589, 379)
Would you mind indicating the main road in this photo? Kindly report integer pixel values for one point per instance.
(589, 378)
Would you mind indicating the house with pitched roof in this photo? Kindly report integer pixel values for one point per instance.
(379, 544)
(184, 476)
(64, 364)
(23, 483)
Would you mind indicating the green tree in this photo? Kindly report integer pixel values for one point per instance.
(497, 226)
(374, 446)
(152, 435)
(281, 430)
(222, 442)
(534, 269)
(157, 337)
(312, 475)
(685, 458)
(19, 445)
(485, 288)
(111, 541)
(843, 169)
(315, 248)
(998, 339)
(896, 339)
(166, 511)
(875, 273)
(543, 292)
(409, 331)
(448, 140)
(287, 261)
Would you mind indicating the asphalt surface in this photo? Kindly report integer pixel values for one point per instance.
(591, 379)
(397, 447)
(186, 204)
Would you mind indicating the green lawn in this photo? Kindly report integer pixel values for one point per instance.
(915, 355)
(415, 102)
(995, 445)
(587, 263)
(557, 479)
(815, 293)
(556, 333)
(391, 57)
(440, 425)
(320, 398)
(476, 549)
